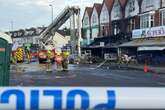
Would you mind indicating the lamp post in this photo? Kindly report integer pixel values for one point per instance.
(51, 12)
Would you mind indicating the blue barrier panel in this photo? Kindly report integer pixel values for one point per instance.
(34, 98)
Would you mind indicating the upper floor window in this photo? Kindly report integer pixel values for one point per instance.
(131, 25)
(147, 21)
(94, 19)
(163, 3)
(117, 10)
(148, 5)
(131, 5)
(104, 17)
(86, 21)
(163, 17)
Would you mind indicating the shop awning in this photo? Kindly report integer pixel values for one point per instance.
(146, 48)
(145, 42)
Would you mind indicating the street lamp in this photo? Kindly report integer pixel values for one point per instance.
(51, 12)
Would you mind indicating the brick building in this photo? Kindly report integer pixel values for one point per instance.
(135, 27)
(148, 41)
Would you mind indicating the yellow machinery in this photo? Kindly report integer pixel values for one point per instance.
(20, 55)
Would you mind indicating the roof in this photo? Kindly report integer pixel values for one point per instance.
(123, 3)
(6, 37)
(62, 32)
(98, 8)
(109, 4)
(144, 42)
(89, 11)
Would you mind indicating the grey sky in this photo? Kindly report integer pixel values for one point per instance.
(33, 13)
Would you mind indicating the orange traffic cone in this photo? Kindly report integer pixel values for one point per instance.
(146, 69)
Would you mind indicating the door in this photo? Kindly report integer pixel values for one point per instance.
(4, 62)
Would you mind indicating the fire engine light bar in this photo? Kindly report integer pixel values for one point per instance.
(34, 98)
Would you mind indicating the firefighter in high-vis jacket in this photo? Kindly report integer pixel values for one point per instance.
(28, 54)
(65, 55)
(49, 60)
(58, 61)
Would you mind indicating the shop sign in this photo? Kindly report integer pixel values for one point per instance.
(149, 32)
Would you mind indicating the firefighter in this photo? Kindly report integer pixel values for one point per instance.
(28, 54)
(58, 61)
(48, 60)
(14, 58)
(65, 56)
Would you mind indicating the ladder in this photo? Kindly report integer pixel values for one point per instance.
(46, 36)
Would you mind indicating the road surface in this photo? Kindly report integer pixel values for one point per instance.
(83, 75)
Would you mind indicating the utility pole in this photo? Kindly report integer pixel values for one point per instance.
(79, 33)
(73, 34)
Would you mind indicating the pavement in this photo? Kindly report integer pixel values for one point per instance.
(35, 74)
(151, 68)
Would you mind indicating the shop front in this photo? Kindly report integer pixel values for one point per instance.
(148, 45)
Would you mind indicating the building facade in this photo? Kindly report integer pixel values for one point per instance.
(141, 23)
(148, 41)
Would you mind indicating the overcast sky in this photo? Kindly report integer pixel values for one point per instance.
(33, 13)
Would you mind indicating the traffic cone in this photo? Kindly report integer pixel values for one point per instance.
(146, 69)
